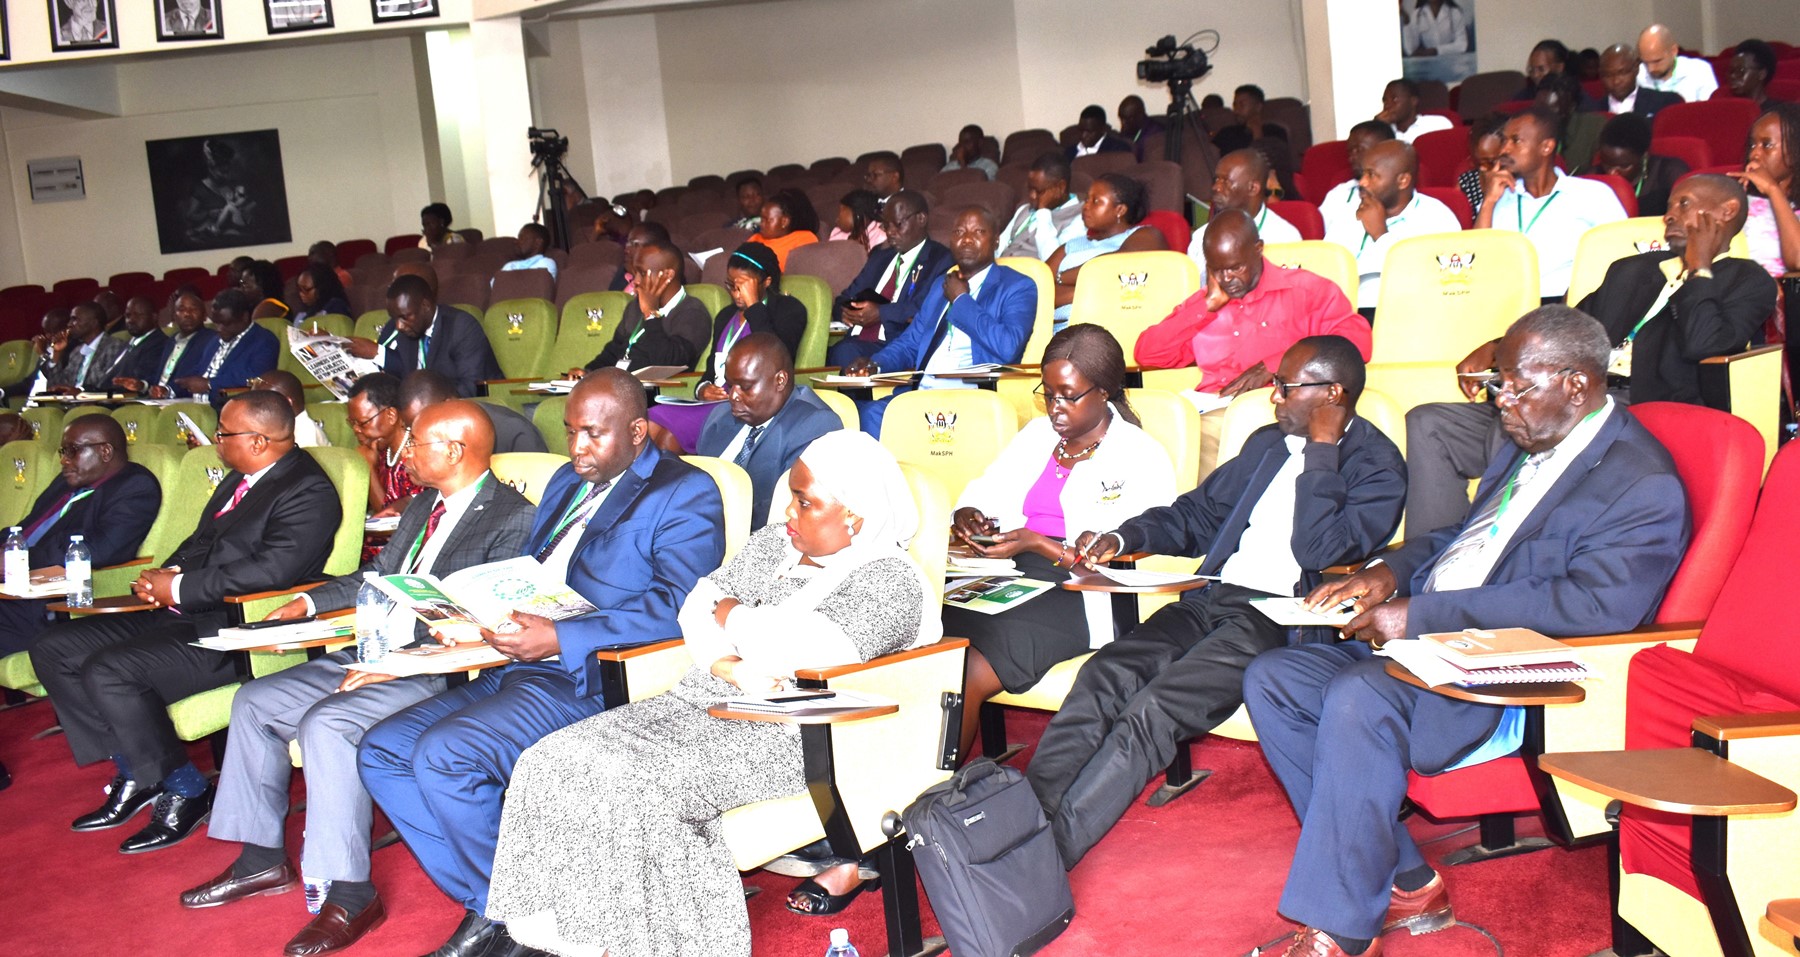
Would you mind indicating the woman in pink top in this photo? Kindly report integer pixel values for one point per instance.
(1772, 228)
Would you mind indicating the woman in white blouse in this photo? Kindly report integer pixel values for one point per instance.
(1085, 464)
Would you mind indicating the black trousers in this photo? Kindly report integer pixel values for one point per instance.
(111, 679)
(1136, 700)
(21, 621)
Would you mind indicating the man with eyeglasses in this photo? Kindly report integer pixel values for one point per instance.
(1578, 528)
(1319, 487)
(1236, 329)
(101, 495)
(268, 524)
(1666, 312)
(465, 517)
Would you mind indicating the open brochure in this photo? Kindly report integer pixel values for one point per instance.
(1293, 613)
(485, 595)
(48, 587)
(803, 702)
(994, 594)
(381, 523)
(326, 358)
(237, 639)
(433, 659)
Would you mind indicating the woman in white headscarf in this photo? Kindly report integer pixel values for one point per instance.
(611, 842)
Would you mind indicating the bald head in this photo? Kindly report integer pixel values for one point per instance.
(268, 413)
(1233, 253)
(1239, 181)
(421, 270)
(759, 377)
(1389, 171)
(285, 384)
(453, 444)
(1657, 48)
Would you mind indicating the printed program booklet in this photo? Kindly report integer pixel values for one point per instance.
(485, 595)
(993, 595)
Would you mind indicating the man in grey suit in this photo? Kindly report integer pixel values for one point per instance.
(472, 519)
(768, 419)
(86, 359)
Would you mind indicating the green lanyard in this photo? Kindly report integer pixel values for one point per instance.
(1506, 493)
(1519, 210)
(574, 510)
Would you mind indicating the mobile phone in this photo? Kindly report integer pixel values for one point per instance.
(274, 623)
(800, 696)
(985, 539)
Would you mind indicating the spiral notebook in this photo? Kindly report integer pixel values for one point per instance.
(1424, 660)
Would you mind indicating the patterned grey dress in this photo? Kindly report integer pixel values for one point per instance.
(612, 824)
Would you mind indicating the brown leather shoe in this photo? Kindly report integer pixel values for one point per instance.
(224, 889)
(333, 930)
(1424, 911)
(1312, 942)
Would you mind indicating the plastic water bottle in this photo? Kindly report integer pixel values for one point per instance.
(840, 944)
(317, 888)
(17, 566)
(78, 570)
(372, 612)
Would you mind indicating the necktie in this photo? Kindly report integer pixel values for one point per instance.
(243, 488)
(218, 359)
(431, 523)
(941, 333)
(872, 332)
(743, 457)
(38, 529)
(1479, 533)
(424, 350)
(568, 520)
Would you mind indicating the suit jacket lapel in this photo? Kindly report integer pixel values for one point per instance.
(1567, 482)
(1225, 542)
(626, 488)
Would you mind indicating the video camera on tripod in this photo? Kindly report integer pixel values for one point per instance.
(554, 183)
(1178, 65)
(547, 146)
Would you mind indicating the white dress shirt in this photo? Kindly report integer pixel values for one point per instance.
(1555, 222)
(957, 351)
(455, 507)
(1269, 226)
(1264, 559)
(308, 433)
(1421, 217)
(1422, 124)
(1692, 79)
(1039, 226)
(556, 564)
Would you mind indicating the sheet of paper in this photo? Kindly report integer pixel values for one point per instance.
(1140, 578)
(1207, 401)
(385, 524)
(1293, 612)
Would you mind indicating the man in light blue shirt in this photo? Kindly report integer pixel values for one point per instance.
(534, 239)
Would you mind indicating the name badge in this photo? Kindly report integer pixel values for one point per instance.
(1619, 363)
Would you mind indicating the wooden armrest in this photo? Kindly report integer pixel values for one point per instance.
(1679, 780)
(140, 560)
(841, 717)
(115, 605)
(838, 671)
(514, 380)
(1522, 693)
(637, 651)
(1785, 914)
(273, 593)
(1746, 354)
(1351, 568)
(1647, 635)
(1733, 727)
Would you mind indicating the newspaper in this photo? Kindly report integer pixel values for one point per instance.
(325, 357)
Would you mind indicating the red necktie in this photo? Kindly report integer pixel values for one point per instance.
(431, 523)
(872, 331)
(237, 496)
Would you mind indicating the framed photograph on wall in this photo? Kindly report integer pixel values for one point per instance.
(178, 20)
(219, 192)
(293, 16)
(83, 25)
(388, 10)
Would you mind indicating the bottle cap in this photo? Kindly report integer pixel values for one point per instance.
(840, 937)
(75, 538)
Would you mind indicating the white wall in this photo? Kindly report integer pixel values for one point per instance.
(351, 139)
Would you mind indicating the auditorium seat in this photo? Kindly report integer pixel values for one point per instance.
(409, 254)
(1134, 292)
(1478, 94)
(521, 332)
(403, 241)
(996, 197)
(604, 252)
(837, 261)
(18, 361)
(727, 238)
(169, 429)
(1454, 198)
(933, 155)
(522, 284)
(1324, 165)
(1320, 258)
(1692, 150)
(816, 295)
(581, 280)
(72, 291)
(1723, 124)
(829, 167)
(1603, 245)
(1162, 180)
(351, 250)
(444, 256)
(1175, 231)
(953, 433)
(588, 323)
(1443, 154)
(459, 288)
(1018, 392)
(1304, 215)
(948, 179)
(290, 266)
(1623, 190)
(185, 274)
(1025, 146)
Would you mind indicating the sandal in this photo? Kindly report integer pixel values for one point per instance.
(819, 902)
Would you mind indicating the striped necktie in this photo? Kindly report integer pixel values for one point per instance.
(743, 457)
(1483, 529)
(569, 522)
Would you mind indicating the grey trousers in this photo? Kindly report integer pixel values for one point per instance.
(302, 703)
(1447, 444)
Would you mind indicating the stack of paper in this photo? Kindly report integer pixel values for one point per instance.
(237, 639)
(1293, 613)
(1434, 661)
(48, 588)
(553, 387)
(976, 565)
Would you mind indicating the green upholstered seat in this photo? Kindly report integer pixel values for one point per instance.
(521, 332)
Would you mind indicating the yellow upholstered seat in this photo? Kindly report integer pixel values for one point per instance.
(527, 472)
(734, 488)
(521, 332)
(138, 421)
(842, 405)
(1018, 391)
(1608, 243)
(1752, 391)
(1320, 258)
(1130, 292)
(952, 433)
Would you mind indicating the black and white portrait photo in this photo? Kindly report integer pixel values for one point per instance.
(83, 25)
(404, 9)
(293, 16)
(188, 20)
(219, 192)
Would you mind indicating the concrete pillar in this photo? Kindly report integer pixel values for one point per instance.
(1352, 52)
(481, 102)
(622, 69)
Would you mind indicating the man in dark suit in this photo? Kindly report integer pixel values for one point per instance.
(87, 354)
(269, 524)
(100, 495)
(181, 353)
(240, 350)
(1665, 311)
(1619, 75)
(883, 298)
(424, 334)
(628, 528)
(1317, 488)
(142, 360)
(1577, 530)
(1095, 135)
(977, 312)
(471, 518)
(768, 420)
(662, 325)
(512, 432)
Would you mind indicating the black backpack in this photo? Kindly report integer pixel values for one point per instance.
(989, 862)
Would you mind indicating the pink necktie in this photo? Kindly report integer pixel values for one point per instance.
(237, 496)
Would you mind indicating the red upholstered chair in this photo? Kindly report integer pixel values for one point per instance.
(351, 250)
(1513, 107)
(1719, 458)
(837, 261)
(1304, 216)
(402, 241)
(1324, 165)
(992, 195)
(1442, 155)
(1176, 231)
(1478, 94)
(1627, 196)
(1691, 150)
(185, 274)
(1723, 124)
(1452, 197)
(945, 179)
(75, 290)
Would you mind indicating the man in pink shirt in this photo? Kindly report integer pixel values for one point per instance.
(1237, 328)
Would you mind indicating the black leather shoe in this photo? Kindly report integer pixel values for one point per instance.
(173, 820)
(124, 798)
(474, 937)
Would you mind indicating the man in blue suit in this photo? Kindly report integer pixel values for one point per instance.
(977, 312)
(628, 528)
(880, 303)
(1575, 530)
(768, 421)
(426, 335)
(240, 350)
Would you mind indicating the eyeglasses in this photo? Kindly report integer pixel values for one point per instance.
(74, 448)
(411, 442)
(1502, 394)
(221, 435)
(359, 423)
(1282, 388)
(1050, 399)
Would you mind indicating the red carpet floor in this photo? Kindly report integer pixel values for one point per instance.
(1197, 877)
